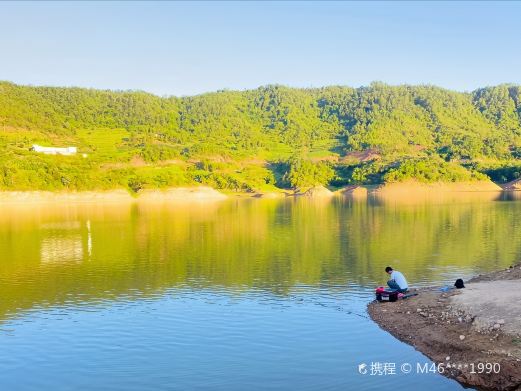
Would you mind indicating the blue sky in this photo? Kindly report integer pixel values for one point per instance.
(174, 48)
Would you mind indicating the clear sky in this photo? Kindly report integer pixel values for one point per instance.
(175, 48)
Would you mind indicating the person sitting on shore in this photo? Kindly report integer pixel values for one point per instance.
(397, 280)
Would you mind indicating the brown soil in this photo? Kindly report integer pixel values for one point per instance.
(316, 192)
(353, 190)
(362, 156)
(446, 328)
(512, 185)
(179, 194)
(414, 188)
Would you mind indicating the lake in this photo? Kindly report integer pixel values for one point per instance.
(243, 294)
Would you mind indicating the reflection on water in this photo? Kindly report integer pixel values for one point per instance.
(60, 250)
(232, 265)
(63, 242)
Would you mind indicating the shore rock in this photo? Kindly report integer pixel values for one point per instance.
(353, 191)
(269, 195)
(317, 192)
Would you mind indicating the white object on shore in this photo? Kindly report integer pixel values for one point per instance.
(54, 150)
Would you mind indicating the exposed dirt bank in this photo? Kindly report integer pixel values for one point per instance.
(270, 195)
(117, 196)
(353, 191)
(181, 194)
(398, 192)
(413, 187)
(514, 185)
(316, 192)
(28, 197)
(478, 324)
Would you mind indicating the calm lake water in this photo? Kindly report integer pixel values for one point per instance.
(242, 294)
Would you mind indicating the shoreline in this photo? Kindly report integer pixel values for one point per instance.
(178, 194)
(396, 191)
(415, 187)
(478, 324)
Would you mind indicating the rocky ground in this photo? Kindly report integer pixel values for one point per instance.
(463, 328)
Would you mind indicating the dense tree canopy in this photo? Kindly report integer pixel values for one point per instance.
(248, 140)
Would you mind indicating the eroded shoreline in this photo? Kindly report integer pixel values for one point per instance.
(399, 192)
(201, 193)
(463, 328)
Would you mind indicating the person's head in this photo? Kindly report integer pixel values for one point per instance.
(388, 269)
(459, 283)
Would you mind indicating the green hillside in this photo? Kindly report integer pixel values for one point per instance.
(267, 138)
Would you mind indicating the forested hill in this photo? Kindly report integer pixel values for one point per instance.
(273, 136)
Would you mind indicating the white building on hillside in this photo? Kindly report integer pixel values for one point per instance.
(54, 150)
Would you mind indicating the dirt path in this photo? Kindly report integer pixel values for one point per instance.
(463, 328)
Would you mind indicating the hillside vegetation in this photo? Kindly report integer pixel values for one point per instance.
(256, 140)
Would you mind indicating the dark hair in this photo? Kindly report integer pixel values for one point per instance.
(459, 283)
(388, 269)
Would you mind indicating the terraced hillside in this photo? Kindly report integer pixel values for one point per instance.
(268, 138)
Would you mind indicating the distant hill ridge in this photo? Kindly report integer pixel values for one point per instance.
(267, 138)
